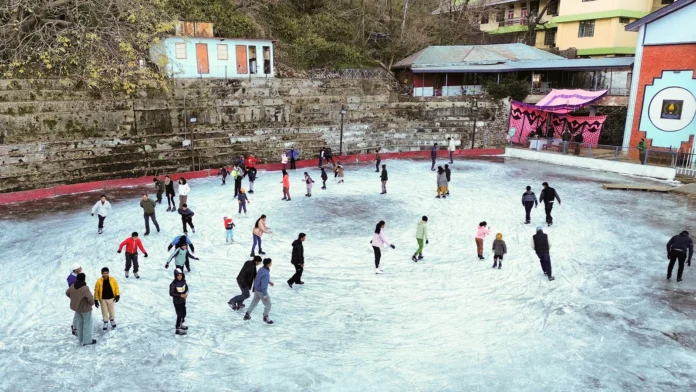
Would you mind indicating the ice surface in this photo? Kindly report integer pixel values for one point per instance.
(610, 321)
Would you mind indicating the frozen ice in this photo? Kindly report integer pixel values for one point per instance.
(610, 321)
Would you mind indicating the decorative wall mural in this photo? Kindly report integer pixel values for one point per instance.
(669, 109)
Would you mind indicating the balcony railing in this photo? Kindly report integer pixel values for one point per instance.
(614, 91)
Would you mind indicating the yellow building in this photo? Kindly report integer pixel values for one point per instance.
(596, 28)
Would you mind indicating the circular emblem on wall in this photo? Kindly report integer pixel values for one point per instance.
(672, 109)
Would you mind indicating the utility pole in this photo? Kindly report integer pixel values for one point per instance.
(343, 113)
(474, 109)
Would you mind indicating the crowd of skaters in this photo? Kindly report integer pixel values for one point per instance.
(254, 276)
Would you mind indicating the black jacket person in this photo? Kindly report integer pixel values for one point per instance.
(297, 259)
(677, 249)
(547, 196)
(245, 281)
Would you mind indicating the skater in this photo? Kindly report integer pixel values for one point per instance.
(677, 249)
(132, 245)
(284, 159)
(238, 176)
(229, 233)
(242, 200)
(499, 250)
(286, 186)
(106, 293)
(251, 162)
(547, 195)
(328, 155)
(542, 246)
(241, 164)
(384, 177)
(308, 180)
(224, 173)
(169, 192)
(181, 258)
(379, 239)
(421, 235)
(252, 177)
(297, 260)
(102, 208)
(448, 176)
(245, 281)
(481, 233)
(181, 239)
(324, 178)
(338, 170)
(186, 217)
(258, 231)
(433, 156)
(451, 148)
(81, 302)
(184, 190)
(159, 186)
(72, 278)
(148, 207)
(441, 183)
(529, 200)
(378, 159)
(263, 279)
(321, 157)
(178, 290)
(293, 155)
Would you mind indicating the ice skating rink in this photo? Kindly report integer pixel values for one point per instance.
(609, 322)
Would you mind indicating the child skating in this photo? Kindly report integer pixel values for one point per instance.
(421, 235)
(324, 178)
(242, 200)
(499, 250)
(308, 180)
(481, 233)
(286, 186)
(338, 170)
(229, 232)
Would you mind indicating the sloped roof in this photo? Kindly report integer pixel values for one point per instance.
(538, 65)
(468, 55)
(677, 5)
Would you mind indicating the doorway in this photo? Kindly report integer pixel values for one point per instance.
(202, 58)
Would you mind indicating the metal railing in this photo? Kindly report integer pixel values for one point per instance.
(614, 91)
(585, 150)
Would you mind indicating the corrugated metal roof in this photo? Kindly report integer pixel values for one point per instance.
(560, 64)
(464, 55)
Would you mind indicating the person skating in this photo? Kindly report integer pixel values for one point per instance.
(481, 233)
(499, 250)
(181, 257)
(433, 156)
(542, 247)
(181, 239)
(284, 159)
(378, 159)
(297, 260)
(169, 192)
(286, 186)
(159, 186)
(448, 176)
(238, 177)
(263, 279)
(184, 190)
(224, 173)
(102, 208)
(293, 155)
(251, 162)
(245, 281)
(308, 180)
(148, 206)
(451, 148)
(321, 157)
(259, 230)
(106, 293)
(242, 200)
(529, 201)
(678, 248)
(338, 170)
(384, 177)
(178, 290)
(328, 155)
(186, 217)
(251, 174)
(548, 195)
(324, 178)
(421, 235)
(132, 245)
(441, 183)
(379, 239)
(81, 302)
(229, 230)
(241, 164)
(72, 278)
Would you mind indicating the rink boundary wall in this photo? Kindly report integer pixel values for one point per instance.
(633, 169)
(43, 193)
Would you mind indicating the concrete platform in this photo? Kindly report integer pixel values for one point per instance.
(644, 188)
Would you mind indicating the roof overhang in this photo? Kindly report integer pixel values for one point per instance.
(555, 65)
(662, 12)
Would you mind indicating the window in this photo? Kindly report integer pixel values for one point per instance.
(222, 52)
(267, 60)
(666, 2)
(511, 11)
(523, 14)
(550, 37)
(500, 16)
(180, 50)
(484, 19)
(586, 28)
(553, 8)
(624, 20)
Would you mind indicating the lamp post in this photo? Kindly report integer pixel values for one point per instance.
(343, 113)
(474, 109)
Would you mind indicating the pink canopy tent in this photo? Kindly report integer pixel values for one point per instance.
(566, 101)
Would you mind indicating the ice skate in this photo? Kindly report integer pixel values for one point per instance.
(94, 341)
(500, 266)
(494, 265)
(679, 280)
(437, 197)
(267, 320)
(106, 326)
(127, 275)
(378, 271)
(180, 332)
(99, 231)
(261, 252)
(233, 306)
(289, 284)
(182, 326)
(415, 260)
(240, 306)
(113, 324)
(247, 317)
(288, 199)
(169, 209)
(193, 230)
(251, 191)
(551, 278)
(420, 257)
(252, 255)
(285, 198)
(136, 275)
(74, 331)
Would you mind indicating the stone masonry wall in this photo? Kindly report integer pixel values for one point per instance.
(54, 133)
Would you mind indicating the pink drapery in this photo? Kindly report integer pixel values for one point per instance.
(528, 120)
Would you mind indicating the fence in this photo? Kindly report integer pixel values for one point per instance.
(365, 74)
